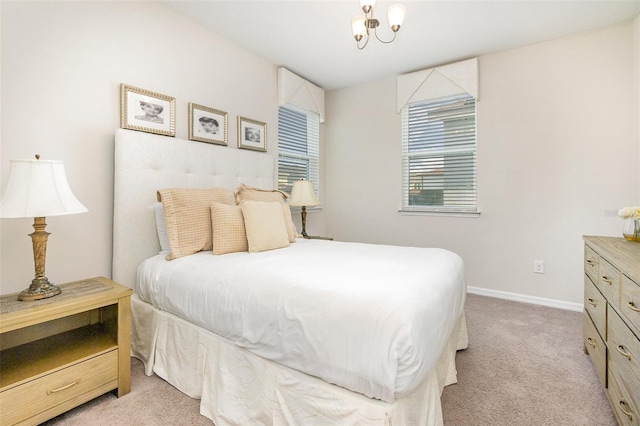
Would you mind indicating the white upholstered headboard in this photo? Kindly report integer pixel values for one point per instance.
(145, 162)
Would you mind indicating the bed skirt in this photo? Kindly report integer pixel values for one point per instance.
(237, 387)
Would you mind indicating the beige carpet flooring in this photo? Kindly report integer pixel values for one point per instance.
(524, 366)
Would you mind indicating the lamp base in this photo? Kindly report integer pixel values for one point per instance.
(40, 288)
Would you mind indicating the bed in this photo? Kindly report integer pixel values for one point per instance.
(296, 343)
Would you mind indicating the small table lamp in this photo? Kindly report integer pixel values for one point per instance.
(302, 195)
(38, 188)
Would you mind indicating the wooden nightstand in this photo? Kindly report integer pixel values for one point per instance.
(58, 353)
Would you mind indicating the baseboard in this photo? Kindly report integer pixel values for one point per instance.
(560, 304)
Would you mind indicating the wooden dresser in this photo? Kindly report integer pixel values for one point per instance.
(612, 320)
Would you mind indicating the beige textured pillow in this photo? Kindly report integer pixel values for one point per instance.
(227, 224)
(265, 225)
(187, 215)
(249, 193)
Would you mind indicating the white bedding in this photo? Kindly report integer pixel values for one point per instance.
(338, 311)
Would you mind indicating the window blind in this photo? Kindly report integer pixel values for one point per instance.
(439, 155)
(298, 147)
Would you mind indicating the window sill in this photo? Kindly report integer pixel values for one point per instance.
(450, 213)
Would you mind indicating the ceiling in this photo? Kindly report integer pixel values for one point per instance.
(313, 38)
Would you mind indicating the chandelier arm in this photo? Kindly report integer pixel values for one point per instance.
(382, 41)
(365, 42)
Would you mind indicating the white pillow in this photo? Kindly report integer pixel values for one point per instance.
(161, 227)
(265, 225)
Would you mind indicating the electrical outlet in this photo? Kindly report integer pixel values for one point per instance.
(538, 266)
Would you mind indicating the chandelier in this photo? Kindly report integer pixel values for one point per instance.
(362, 25)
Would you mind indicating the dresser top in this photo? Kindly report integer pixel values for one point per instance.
(625, 255)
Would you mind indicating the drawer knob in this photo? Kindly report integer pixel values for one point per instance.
(590, 262)
(623, 404)
(591, 342)
(633, 307)
(607, 280)
(75, 382)
(591, 302)
(624, 353)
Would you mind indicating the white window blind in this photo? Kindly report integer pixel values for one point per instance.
(298, 153)
(439, 155)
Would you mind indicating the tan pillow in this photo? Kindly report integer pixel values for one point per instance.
(288, 220)
(249, 193)
(227, 224)
(187, 215)
(265, 225)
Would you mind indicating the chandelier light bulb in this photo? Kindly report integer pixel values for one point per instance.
(358, 27)
(367, 5)
(395, 15)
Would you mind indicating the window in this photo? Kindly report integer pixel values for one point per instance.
(298, 135)
(439, 155)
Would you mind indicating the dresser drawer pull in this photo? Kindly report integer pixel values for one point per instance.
(591, 262)
(624, 353)
(591, 342)
(633, 307)
(591, 302)
(75, 382)
(607, 280)
(622, 404)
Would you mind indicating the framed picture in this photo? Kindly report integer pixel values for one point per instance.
(252, 134)
(207, 124)
(147, 111)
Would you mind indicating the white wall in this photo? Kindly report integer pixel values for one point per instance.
(62, 65)
(556, 144)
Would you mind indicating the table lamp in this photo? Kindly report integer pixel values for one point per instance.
(302, 195)
(38, 188)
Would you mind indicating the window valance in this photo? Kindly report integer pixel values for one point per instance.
(293, 89)
(438, 82)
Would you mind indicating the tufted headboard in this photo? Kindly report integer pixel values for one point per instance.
(144, 163)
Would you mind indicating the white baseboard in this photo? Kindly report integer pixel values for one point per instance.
(560, 304)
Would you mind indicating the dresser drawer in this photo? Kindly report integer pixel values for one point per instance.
(54, 389)
(591, 263)
(596, 306)
(609, 282)
(630, 302)
(621, 401)
(624, 348)
(596, 349)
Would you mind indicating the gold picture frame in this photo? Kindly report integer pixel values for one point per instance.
(147, 111)
(207, 124)
(252, 134)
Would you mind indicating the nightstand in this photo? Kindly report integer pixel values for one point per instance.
(60, 352)
(317, 237)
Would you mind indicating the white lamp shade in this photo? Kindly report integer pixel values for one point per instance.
(38, 188)
(358, 27)
(302, 194)
(395, 14)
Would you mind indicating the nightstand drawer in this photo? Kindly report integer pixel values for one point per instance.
(596, 305)
(596, 349)
(630, 302)
(591, 263)
(53, 389)
(609, 282)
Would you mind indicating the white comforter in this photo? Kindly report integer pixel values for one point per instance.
(371, 318)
